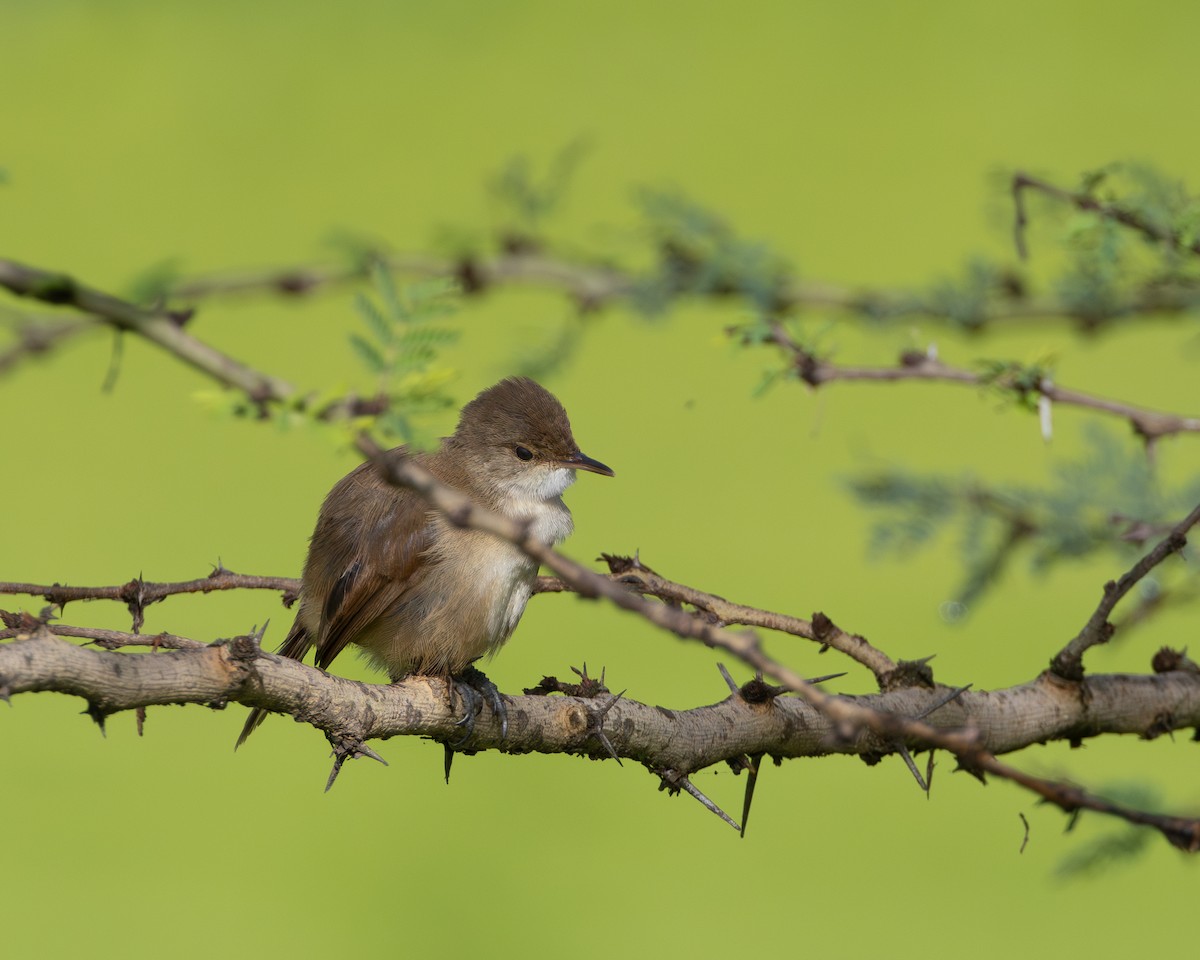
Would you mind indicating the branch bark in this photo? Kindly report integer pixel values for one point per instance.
(239, 671)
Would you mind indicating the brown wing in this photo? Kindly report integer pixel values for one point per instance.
(364, 556)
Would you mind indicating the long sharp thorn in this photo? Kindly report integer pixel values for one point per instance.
(828, 676)
(362, 750)
(733, 687)
(912, 767)
(711, 807)
(611, 703)
(607, 744)
(929, 773)
(755, 762)
(449, 761)
(952, 695)
(333, 774)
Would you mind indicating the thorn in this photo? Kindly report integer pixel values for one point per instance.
(349, 748)
(683, 783)
(596, 727)
(733, 687)
(952, 695)
(449, 761)
(1026, 838)
(338, 760)
(912, 767)
(929, 774)
(97, 716)
(134, 595)
(828, 676)
(362, 750)
(753, 765)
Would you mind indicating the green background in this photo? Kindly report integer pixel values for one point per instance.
(861, 140)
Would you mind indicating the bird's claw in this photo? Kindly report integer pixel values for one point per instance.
(474, 687)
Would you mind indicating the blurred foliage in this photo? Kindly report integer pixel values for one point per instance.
(152, 286)
(1118, 846)
(1108, 501)
(526, 201)
(700, 254)
(400, 346)
(1014, 380)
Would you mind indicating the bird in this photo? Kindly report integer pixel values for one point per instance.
(389, 573)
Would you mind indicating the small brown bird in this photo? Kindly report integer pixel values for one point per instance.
(388, 572)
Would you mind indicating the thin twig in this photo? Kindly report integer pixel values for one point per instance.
(149, 591)
(1068, 662)
(632, 573)
(1149, 424)
(35, 339)
(113, 639)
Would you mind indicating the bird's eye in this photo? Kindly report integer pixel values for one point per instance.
(522, 453)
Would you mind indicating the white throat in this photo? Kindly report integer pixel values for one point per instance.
(537, 496)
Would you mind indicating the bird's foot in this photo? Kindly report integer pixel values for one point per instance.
(474, 687)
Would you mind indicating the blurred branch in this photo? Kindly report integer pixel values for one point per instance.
(1125, 216)
(592, 286)
(349, 712)
(37, 337)
(163, 328)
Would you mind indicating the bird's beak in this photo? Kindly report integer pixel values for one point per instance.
(580, 462)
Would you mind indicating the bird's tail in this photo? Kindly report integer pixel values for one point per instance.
(295, 646)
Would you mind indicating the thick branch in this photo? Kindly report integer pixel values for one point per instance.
(239, 671)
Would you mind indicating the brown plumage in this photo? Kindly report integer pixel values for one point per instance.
(417, 594)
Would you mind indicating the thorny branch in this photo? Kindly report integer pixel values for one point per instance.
(632, 573)
(1149, 424)
(137, 594)
(238, 670)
